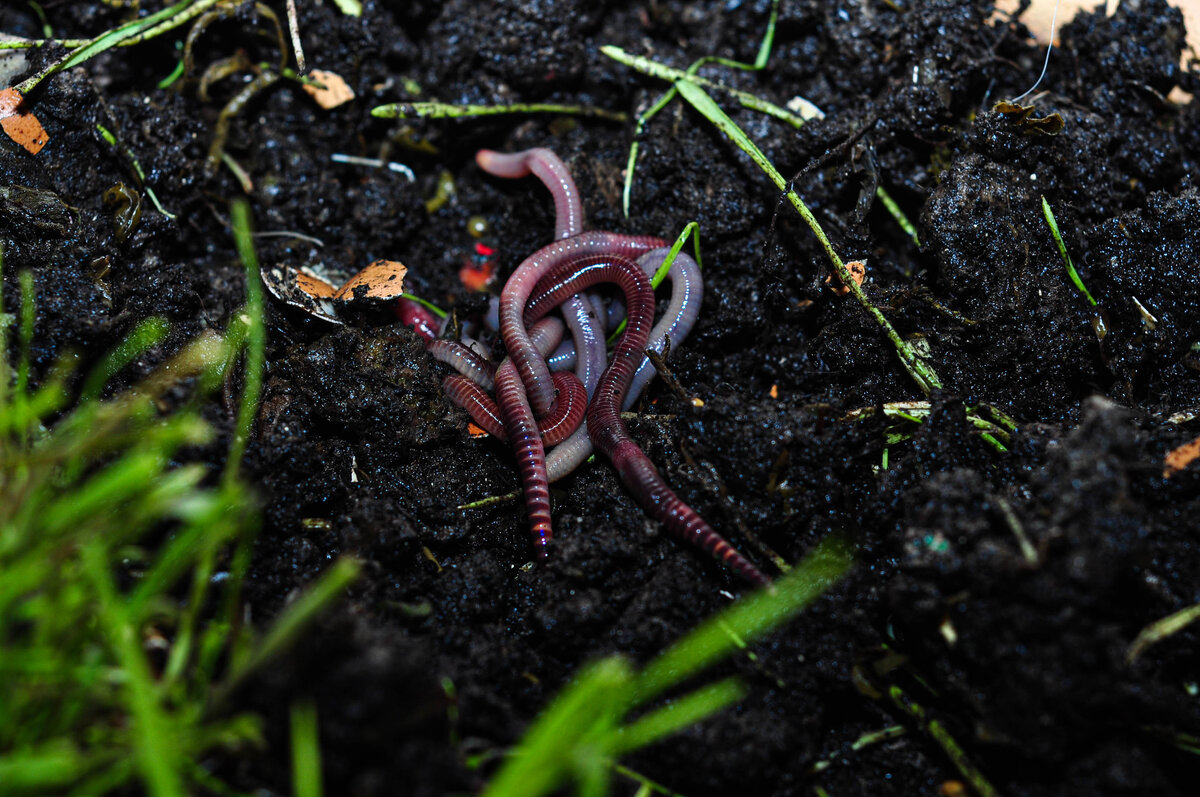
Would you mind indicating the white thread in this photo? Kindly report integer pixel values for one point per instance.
(1046, 63)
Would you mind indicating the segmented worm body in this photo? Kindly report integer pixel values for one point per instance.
(535, 408)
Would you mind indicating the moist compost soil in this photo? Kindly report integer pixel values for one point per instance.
(1018, 653)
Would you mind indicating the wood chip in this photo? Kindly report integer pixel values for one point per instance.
(1180, 458)
(335, 93)
(382, 280)
(21, 126)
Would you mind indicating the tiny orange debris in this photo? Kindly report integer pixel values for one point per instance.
(1179, 458)
(858, 271)
(335, 92)
(475, 431)
(20, 125)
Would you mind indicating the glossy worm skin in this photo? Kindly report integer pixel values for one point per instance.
(605, 427)
(554, 428)
(687, 292)
(568, 206)
(534, 373)
(558, 276)
(466, 362)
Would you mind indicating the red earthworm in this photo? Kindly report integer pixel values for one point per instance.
(605, 427)
(568, 413)
(421, 319)
(535, 374)
(547, 167)
(462, 359)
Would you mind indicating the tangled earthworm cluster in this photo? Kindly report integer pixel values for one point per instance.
(576, 412)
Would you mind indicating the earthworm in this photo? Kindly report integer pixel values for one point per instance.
(462, 359)
(568, 413)
(570, 406)
(421, 319)
(687, 293)
(547, 167)
(534, 373)
(606, 429)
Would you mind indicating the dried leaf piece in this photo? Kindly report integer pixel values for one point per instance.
(335, 93)
(1180, 458)
(306, 292)
(383, 280)
(858, 271)
(21, 126)
(1031, 125)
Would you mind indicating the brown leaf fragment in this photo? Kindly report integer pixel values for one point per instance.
(305, 292)
(1050, 125)
(20, 125)
(383, 280)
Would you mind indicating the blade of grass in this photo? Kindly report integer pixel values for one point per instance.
(103, 42)
(921, 372)
(351, 8)
(154, 739)
(679, 714)
(146, 334)
(306, 750)
(938, 732)
(1062, 250)
(1160, 630)
(441, 110)
(897, 214)
(664, 72)
(751, 618)
(256, 337)
(537, 765)
(291, 623)
(760, 62)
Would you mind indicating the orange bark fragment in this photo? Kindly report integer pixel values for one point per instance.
(21, 126)
(475, 431)
(1180, 458)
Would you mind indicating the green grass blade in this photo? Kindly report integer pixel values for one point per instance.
(103, 42)
(679, 714)
(897, 214)
(921, 372)
(292, 622)
(148, 333)
(751, 618)
(351, 8)
(1161, 629)
(693, 229)
(430, 306)
(1062, 250)
(768, 42)
(539, 763)
(156, 744)
(306, 750)
(441, 110)
(256, 338)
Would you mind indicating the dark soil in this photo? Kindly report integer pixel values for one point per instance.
(1022, 660)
